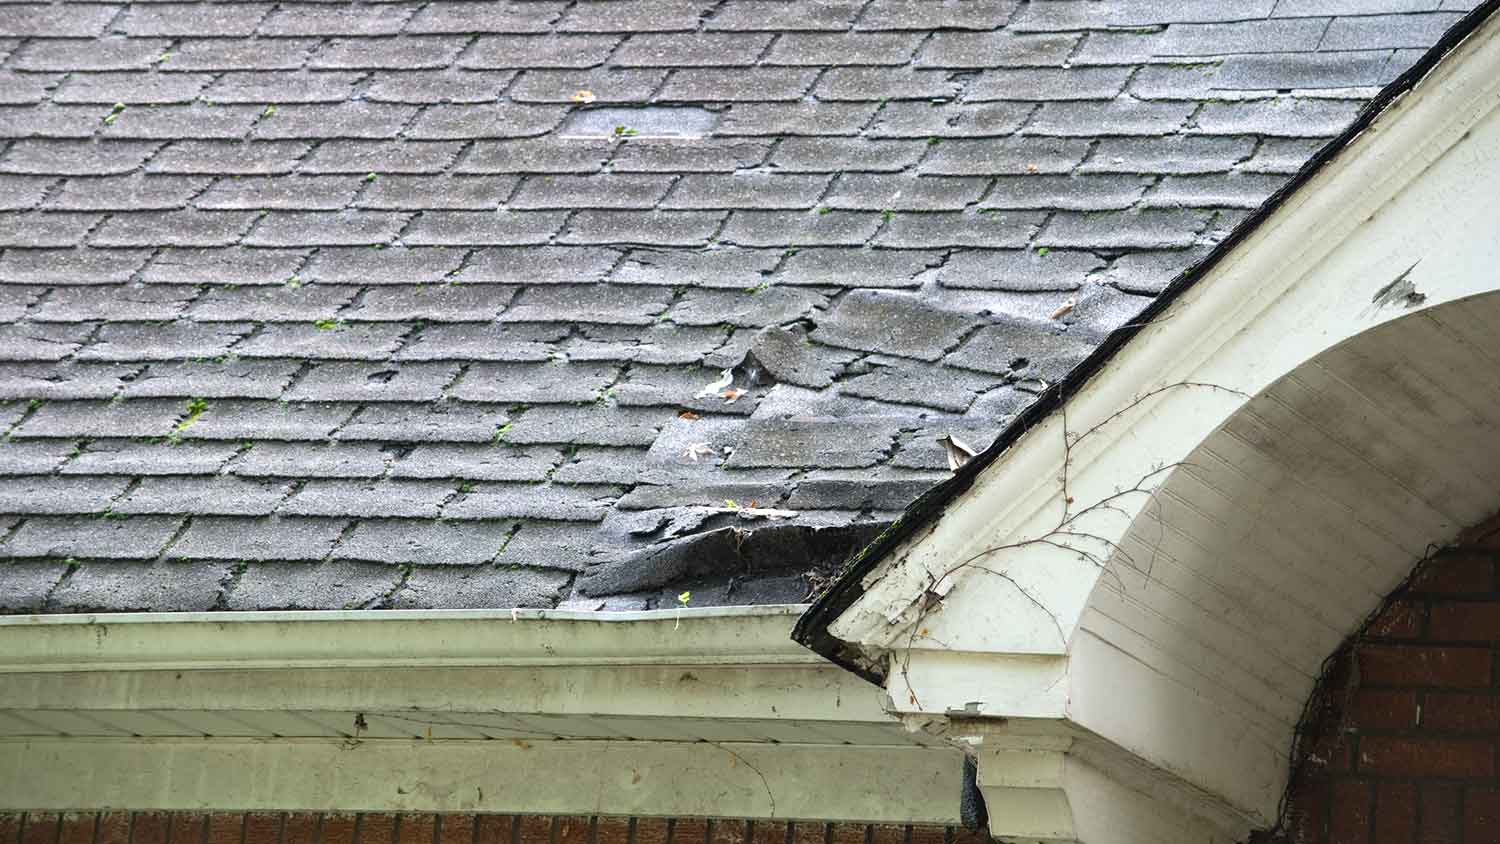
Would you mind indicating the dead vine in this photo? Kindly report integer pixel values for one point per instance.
(765, 783)
(1068, 526)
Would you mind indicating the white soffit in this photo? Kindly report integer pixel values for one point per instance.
(1165, 562)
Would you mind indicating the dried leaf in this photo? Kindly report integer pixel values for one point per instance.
(1063, 310)
(689, 416)
(959, 452)
(725, 379)
(582, 95)
(698, 451)
(732, 395)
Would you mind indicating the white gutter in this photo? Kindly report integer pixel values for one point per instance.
(757, 635)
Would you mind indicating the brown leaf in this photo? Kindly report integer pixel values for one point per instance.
(582, 95)
(1063, 310)
(688, 415)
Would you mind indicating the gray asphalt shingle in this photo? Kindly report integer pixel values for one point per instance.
(427, 304)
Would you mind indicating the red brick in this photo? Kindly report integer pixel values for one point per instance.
(689, 831)
(300, 828)
(1308, 809)
(455, 829)
(617, 831)
(650, 830)
(807, 832)
(10, 827)
(1457, 711)
(849, 833)
(40, 828)
(1426, 757)
(1441, 822)
(1383, 710)
(1465, 621)
(494, 829)
(769, 832)
(884, 833)
(1400, 620)
(335, 828)
(1481, 815)
(572, 830)
(77, 828)
(262, 828)
(187, 827)
(970, 836)
(1456, 573)
(114, 828)
(377, 828)
(226, 828)
(416, 829)
(535, 829)
(1398, 665)
(1396, 813)
(149, 828)
(1349, 820)
(728, 832)
(927, 834)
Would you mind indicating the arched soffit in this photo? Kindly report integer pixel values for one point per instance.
(1283, 529)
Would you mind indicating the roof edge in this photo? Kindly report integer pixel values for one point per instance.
(811, 629)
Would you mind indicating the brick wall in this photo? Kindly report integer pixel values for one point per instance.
(373, 828)
(1400, 741)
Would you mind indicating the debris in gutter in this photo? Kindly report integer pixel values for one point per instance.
(959, 452)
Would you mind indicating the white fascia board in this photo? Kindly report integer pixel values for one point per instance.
(707, 663)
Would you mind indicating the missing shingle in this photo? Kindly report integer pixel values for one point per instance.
(648, 122)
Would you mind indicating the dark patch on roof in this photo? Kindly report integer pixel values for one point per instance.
(812, 628)
(324, 305)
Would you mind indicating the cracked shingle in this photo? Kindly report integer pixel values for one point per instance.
(412, 305)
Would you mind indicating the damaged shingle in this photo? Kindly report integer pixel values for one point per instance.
(430, 306)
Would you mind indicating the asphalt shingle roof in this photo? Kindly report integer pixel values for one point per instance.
(318, 305)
